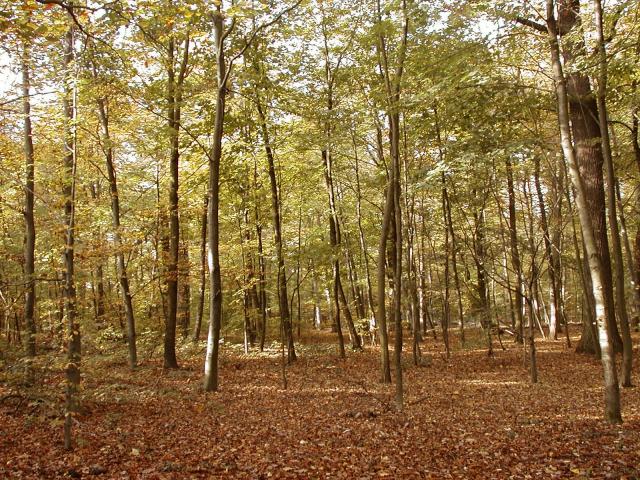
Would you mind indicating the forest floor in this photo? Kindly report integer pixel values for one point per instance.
(471, 416)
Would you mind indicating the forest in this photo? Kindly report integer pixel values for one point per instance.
(319, 239)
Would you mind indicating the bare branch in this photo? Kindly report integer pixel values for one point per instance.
(530, 23)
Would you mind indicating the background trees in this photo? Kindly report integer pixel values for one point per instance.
(416, 141)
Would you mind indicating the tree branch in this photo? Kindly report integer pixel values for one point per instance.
(530, 23)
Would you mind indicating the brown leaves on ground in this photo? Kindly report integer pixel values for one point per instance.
(468, 417)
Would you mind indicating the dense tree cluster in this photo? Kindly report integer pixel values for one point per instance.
(378, 168)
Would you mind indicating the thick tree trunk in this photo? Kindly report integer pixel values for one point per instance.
(612, 392)
(586, 133)
(620, 301)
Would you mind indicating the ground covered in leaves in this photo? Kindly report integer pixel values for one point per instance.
(470, 416)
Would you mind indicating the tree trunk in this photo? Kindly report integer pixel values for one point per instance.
(215, 280)
(612, 392)
(620, 303)
(174, 102)
(515, 254)
(583, 116)
(30, 229)
(479, 257)
(554, 274)
(361, 236)
(68, 191)
(633, 274)
(123, 277)
(203, 260)
(283, 298)
(446, 306)
(184, 298)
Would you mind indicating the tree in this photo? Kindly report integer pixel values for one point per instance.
(30, 229)
(612, 392)
(69, 194)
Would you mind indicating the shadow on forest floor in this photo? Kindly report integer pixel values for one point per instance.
(469, 416)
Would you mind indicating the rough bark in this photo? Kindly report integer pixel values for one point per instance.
(620, 299)
(586, 134)
(612, 392)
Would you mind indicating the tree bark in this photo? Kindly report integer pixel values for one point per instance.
(620, 301)
(203, 260)
(612, 392)
(29, 188)
(68, 191)
(583, 116)
(515, 254)
(174, 104)
(283, 298)
(554, 274)
(123, 277)
(215, 279)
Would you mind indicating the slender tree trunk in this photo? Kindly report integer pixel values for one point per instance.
(174, 100)
(203, 260)
(583, 112)
(620, 303)
(298, 259)
(479, 257)
(215, 279)
(184, 297)
(635, 131)
(381, 315)
(69, 189)
(558, 312)
(446, 307)
(283, 298)
(633, 274)
(334, 222)
(262, 282)
(558, 189)
(361, 236)
(123, 278)
(397, 274)
(393, 211)
(612, 392)
(29, 223)
(515, 254)
(532, 296)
